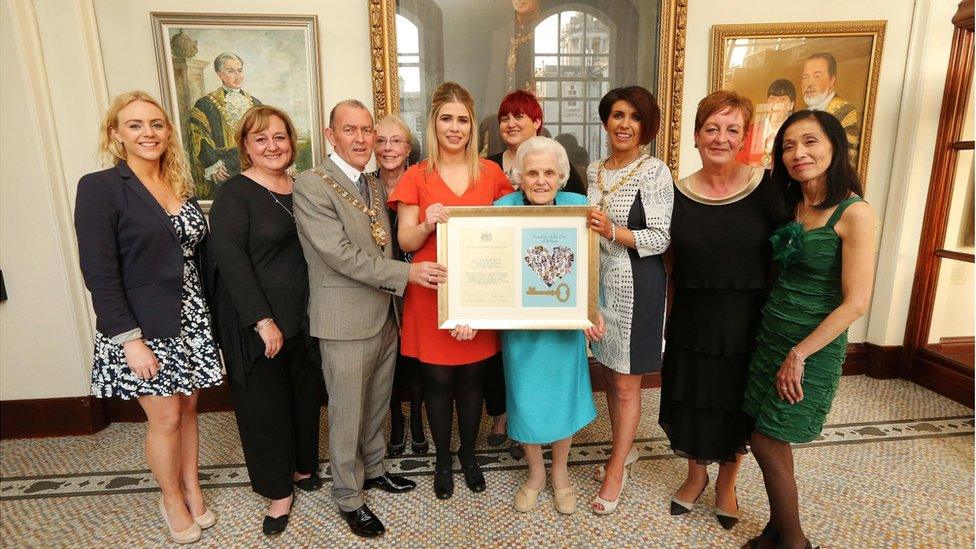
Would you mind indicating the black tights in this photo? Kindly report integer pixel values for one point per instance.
(775, 459)
(407, 382)
(443, 386)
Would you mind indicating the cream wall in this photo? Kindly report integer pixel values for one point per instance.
(63, 59)
(912, 28)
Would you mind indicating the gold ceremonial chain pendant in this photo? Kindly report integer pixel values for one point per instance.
(380, 236)
(604, 192)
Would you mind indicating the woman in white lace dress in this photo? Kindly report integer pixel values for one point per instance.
(633, 195)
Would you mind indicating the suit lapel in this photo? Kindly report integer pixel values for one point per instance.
(340, 177)
(143, 193)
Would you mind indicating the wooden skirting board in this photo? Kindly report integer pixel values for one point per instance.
(86, 415)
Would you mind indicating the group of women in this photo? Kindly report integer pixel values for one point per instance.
(768, 269)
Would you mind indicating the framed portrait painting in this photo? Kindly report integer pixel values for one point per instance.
(527, 268)
(214, 67)
(568, 53)
(783, 68)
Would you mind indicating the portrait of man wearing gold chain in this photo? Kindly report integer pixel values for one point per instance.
(213, 118)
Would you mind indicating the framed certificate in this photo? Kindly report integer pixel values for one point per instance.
(518, 267)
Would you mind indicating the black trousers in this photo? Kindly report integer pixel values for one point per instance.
(495, 386)
(278, 417)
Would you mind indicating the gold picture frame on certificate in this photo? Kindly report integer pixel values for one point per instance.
(786, 67)
(518, 268)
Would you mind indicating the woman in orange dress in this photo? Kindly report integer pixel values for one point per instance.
(453, 362)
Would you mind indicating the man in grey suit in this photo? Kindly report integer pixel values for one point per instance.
(345, 234)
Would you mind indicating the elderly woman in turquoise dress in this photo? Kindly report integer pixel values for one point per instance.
(554, 359)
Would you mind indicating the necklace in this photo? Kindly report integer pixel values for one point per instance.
(604, 192)
(380, 236)
(278, 202)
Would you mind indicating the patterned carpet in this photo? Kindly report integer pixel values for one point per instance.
(893, 468)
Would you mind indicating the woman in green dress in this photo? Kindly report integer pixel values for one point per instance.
(826, 268)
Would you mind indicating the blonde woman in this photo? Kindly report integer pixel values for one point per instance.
(141, 236)
(452, 363)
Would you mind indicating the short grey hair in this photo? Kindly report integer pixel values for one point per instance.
(223, 58)
(542, 145)
(345, 103)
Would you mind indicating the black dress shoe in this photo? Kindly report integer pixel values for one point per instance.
(443, 483)
(309, 484)
(473, 477)
(363, 522)
(394, 484)
(272, 526)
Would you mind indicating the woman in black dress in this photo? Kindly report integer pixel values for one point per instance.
(141, 238)
(721, 267)
(262, 314)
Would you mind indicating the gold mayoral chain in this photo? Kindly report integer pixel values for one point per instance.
(380, 235)
(604, 192)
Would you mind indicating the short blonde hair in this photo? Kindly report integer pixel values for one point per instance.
(173, 165)
(257, 119)
(542, 145)
(399, 123)
(452, 92)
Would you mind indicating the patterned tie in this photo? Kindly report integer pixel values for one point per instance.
(363, 187)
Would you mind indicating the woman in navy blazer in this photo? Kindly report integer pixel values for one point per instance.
(141, 235)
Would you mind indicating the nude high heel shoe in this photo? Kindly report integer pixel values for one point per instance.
(607, 507)
(190, 535)
(601, 470)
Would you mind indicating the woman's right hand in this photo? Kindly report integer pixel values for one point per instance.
(272, 338)
(140, 359)
(434, 214)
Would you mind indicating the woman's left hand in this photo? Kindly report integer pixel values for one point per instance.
(789, 380)
(599, 223)
(463, 333)
(596, 333)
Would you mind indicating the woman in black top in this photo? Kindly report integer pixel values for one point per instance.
(720, 229)
(141, 237)
(262, 315)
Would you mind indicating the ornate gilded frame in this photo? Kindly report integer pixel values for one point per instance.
(671, 67)
(487, 218)
(874, 29)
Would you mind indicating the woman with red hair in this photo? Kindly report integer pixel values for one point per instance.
(520, 118)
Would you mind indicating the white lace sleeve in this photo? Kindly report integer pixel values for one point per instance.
(657, 197)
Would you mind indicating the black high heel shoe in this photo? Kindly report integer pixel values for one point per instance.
(443, 482)
(679, 507)
(421, 447)
(726, 519)
(473, 477)
(768, 535)
(394, 450)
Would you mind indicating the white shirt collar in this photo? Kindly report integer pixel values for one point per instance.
(823, 104)
(352, 173)
(232, 90)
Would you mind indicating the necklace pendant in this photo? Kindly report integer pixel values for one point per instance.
(380, 235)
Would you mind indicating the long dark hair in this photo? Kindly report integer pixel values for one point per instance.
(842, 180)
